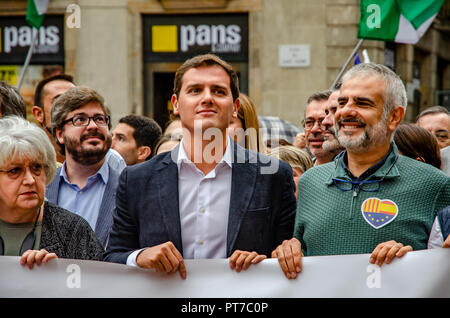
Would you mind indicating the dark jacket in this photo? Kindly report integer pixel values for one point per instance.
(261, 214)
(68, 235)
(444, 221)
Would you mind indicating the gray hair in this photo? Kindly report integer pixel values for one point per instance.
(433, 110)
(71, 100)
(395, 92)
(20, 139)
(11, 101)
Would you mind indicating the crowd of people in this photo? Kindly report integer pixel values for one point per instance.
(211, 184)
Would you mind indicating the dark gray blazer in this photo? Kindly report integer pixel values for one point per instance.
(105, 216)
(261, 215)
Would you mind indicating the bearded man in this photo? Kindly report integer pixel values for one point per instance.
(85, 184)
(377, 201)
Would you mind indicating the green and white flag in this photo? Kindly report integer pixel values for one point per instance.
(36, 10)
(402, 21)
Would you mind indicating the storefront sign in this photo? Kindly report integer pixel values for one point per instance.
(16, 36)
(179, 37)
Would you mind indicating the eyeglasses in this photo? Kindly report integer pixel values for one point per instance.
(84, 120)
(36, 170)
(309, 123)
(365, 185)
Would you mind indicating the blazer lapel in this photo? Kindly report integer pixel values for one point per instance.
(242, 186)
(168, 197)
(105, 218)
(51, 192)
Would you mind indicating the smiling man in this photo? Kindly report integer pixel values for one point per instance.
(376, 201)
(208, 197)
(85, 184)
(314, 130)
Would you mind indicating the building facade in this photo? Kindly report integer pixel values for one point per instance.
(284, 50)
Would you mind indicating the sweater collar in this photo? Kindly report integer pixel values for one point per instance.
(384, 168)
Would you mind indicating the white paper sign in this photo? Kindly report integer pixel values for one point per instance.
(294, 55)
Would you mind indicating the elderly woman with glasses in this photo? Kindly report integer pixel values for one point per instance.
(30, 226)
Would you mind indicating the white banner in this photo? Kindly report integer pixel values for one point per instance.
(418, 274)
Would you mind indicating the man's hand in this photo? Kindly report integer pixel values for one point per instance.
(289, 254)
(164, 258)
(446, 242)
(242, 259)
(386, 251)
(35, 256)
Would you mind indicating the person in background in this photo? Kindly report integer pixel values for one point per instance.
(315, 134)
(244, 127)
(47, 90)
(418, 143)
(273, 143)
(11, 102)
(30, 226)
(166, 143)
(85, 184)
(331, 142)
(298, 159)
(436, 119)
(135, 137)
(173, 127)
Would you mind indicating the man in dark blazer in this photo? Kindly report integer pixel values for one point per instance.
(208, 197)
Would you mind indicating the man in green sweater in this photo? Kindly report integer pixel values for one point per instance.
(369, 199)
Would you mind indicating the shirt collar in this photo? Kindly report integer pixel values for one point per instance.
(227, 156)
(103, 172)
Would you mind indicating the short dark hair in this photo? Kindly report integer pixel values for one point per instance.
(206, 60)
(40, 86)
(319, 96)
(11, 101)
(433, 110)
(146, 131)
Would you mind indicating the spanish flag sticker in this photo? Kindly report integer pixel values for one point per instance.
(379, 213)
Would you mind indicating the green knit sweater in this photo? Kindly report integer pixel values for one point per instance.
(331, 221)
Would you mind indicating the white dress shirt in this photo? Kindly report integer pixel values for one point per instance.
(204, 202)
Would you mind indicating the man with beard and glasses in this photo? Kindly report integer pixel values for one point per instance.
(85, 184)
(314, 129)
(331, 143)
(47, 90)
(377, 201)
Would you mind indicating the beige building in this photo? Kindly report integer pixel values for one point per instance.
(284, 50)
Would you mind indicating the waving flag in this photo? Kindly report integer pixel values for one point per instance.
(36, 10)
(402, 21)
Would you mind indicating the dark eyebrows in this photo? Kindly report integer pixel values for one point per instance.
(364, 99)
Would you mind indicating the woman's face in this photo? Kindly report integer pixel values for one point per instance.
(22, 185)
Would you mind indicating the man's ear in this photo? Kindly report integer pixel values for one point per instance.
(395, 117)
(143, 152)
(59, 136)
(174, 101)
(38, 113)
(237, 105)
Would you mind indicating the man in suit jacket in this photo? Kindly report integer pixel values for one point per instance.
(85, 184)
(208, 197)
